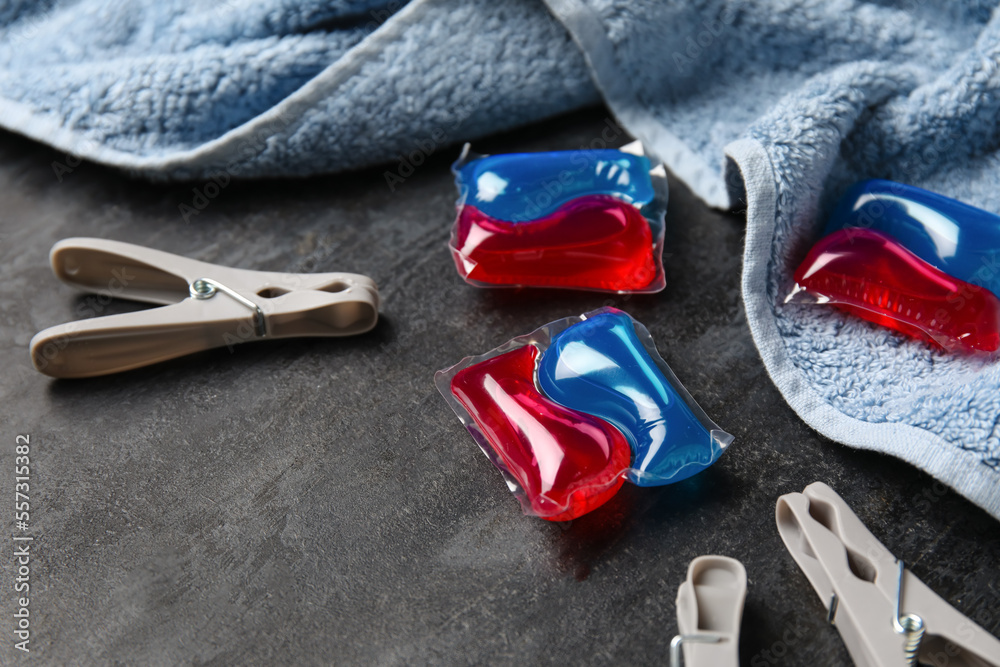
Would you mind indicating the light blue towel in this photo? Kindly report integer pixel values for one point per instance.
(775, 105)
(192, 88)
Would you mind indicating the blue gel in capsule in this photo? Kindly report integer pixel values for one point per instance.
(959, 239)
(600, 367)
(518, 187)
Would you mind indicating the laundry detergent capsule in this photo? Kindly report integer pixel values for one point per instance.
(910, 260)
(590, 220)
(569, 411)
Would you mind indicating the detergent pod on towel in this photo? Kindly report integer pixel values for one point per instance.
(911, 260)
(584, 219)
(569, 411)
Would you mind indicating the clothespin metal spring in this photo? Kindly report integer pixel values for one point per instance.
(911, 626)
(206, 288)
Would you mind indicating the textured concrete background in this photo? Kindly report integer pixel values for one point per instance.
(317, 502)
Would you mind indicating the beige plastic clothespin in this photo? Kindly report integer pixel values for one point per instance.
(209, 306)
(885, 614)
(709, 612)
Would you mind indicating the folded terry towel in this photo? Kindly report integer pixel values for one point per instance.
(778, 105)
(189, 88)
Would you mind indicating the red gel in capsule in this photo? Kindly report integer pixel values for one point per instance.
(595, 242)
(568, 463)
(870, 274)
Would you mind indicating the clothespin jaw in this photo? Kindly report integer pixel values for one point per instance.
(866, 590)
(209, 306)
(709, 613)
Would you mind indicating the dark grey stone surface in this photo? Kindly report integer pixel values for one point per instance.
(317, 502)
